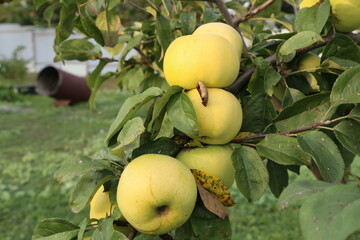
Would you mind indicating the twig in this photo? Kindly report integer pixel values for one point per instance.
(224, 11)
(252, 13)
(287, 133)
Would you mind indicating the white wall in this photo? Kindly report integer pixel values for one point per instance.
(38, 44)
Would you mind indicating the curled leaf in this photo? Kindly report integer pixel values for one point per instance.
(215, 186)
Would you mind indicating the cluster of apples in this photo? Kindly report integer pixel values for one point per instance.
(156, 193)
(345, 12)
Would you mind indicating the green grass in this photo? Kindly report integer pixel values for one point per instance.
(36, 137)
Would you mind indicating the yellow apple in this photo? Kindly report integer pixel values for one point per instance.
(213, 159)
(308, 3)
(309, 62)
(225, 31)
(346, 14)
(220, 120)
(208, 58)
(156, 193)
(101, 207)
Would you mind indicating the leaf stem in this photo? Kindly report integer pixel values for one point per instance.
(252, 13)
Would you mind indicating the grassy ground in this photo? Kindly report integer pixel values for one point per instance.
(35, 137)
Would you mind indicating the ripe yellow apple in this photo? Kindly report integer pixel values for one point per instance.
(208, 58)
(225, 31)
(346, 13)
(101, 207)
(213, 159)
(220, 120)
(308, 3)
(156, 193)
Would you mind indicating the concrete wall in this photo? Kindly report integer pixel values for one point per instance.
(38, 44)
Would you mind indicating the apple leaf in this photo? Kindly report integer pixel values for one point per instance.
(348, 133)
(251, 174)
(128, 109)
(325, 153)
(104, 230)
(263, 79)
(128, 47)
(215, 186)
(55, 228)
(160, 103)
(302, 39)
(78, 49)
(66, 23)
(86, 25)
(258, 113)
(131, 130)
(346, 88)
(291, 95)
(78, 167)
(109, 24)
(164, 32)
(312, 18)
(304, 112)
(278, 177)
(147, 237)
(161, 145)
(283, 150)
(355, 113)
(212, 203)
(342, 47)
(188, 22)
(82, 227)
(331, 214)
(181, 113)
(86, 187)
(207, 225)
(296, 193)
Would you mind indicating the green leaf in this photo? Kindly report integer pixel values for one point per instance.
(283, 150)
(331, 214)
(90, 29)
(300, 40)
(131, 79)
(296, 193)
(185, 232)
(348, 133)
(325, 153)
(87, 186)
(50, 10)
(39, 3)
(304, 112)
(82, 227)
(251, 175)
(341, 47)
(131, 130)
(278, 177)
(78, 167)
(188, 22)
(161, 103)
(78, 49)
(104, 230)
(109, 24)
(263, 79)
(66, 23)
(312, 18)
(207, 226)
(346, 88)
(355, 113)
(182, 114)
(55, 228)
(129, 108)
(162, 145)
(291, 95)
(164, 32)
(129, 46)
(258, 113)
